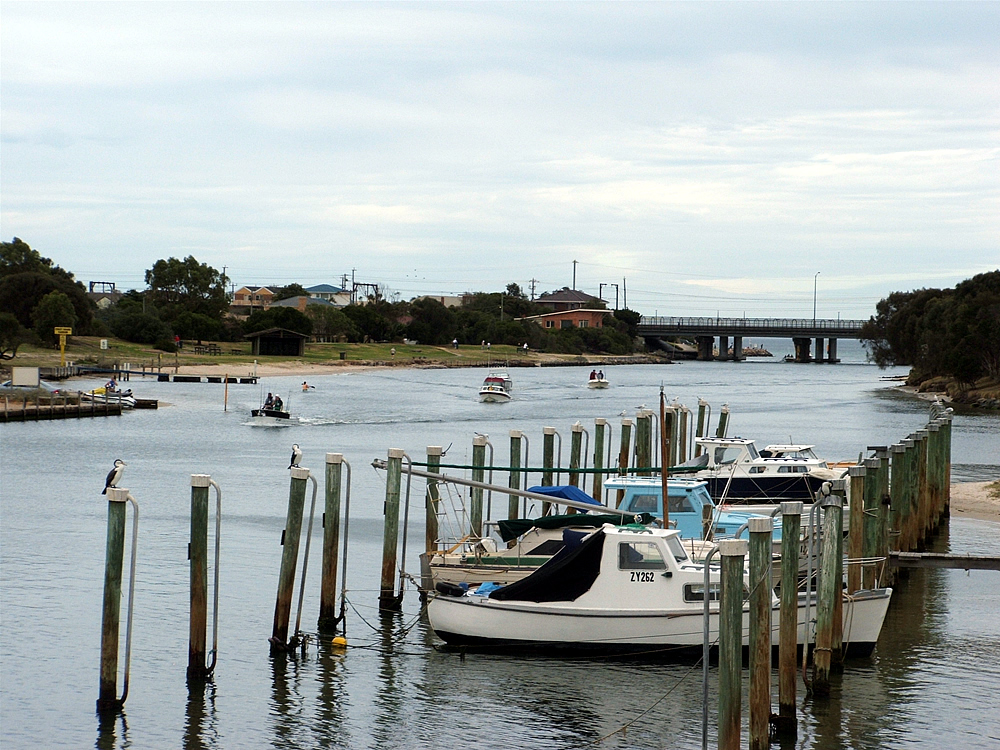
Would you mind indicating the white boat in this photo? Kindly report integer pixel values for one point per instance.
(104, 395)
(598, 383)
(496, 388)
(622, 589)
(737, 473)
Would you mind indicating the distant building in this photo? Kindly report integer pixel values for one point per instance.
(104, 294)
(569, 299)
(277, 342)
(579, 318)
(255, 297)
(332, 294)
(301, 302)
(446, 300)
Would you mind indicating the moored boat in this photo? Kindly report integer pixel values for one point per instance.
(497, 387)
(621, 589)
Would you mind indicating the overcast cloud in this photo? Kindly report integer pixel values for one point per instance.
(710, 157)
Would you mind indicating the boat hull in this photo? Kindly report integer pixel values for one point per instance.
(474, 621)
(598, 384)
(494, 397)
(270, 418)
(743, 490)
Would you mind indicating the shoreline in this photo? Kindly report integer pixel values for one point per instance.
(976, 500)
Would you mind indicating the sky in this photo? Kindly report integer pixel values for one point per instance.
(690, 159)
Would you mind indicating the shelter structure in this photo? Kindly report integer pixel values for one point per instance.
(277, 342)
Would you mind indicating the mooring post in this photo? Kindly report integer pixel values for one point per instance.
(829, 587)
(935, 463)
(643, 435)
(575, 449)
(432, 499)
(107, 697)
(387, 599)
(882, 549)
(476, 493)
(198, 557)
(870, 532)
(947, 463)
(761, 530)
(897, 490)
(514, 478)
(905, 480)
(703, 422)
(328, 616)
(600, 427)
(733, 553)
(623, 455)
(791, 525)
(289, 559)
(855, 532)
(922, 491)
(839, 490)
(723, 421)
(680, 441)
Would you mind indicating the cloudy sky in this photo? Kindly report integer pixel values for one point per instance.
(708, 158)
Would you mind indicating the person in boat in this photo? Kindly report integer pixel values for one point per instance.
(269, 401)
(593, 374)
(600, 374)
(278, 404)
(111, 386)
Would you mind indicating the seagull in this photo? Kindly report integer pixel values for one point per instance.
(296, 456)
(114, 476)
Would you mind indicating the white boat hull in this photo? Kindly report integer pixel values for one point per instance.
(494, 397)
(598, 384)
(480, 621)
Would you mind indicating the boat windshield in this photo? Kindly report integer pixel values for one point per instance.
(676, 548)
(640, 556)
(727, 454)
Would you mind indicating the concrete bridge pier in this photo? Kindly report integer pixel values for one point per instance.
(802, 353)
(705, 348)
(819, 350)
(831, 351)
(723, 348)
(738, 349)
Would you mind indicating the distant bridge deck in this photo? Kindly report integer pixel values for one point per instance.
(760, 327)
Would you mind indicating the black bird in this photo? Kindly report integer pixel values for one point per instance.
(296, 456)
(114, 476)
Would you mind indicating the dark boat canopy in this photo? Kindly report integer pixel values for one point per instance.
(513, 528)
(567, 576)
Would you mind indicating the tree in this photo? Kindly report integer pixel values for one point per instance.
(176, 286)
(330, 323)
(54, 309)
(292, 290)
(142, 328)
(631, 320)
(371, 325)
(12, 335)
(189, 325)
(432, 322)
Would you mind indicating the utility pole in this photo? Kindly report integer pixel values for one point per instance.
(814, 299)
(533, 282)
(574, 275)
(624, 294)
(616, 294)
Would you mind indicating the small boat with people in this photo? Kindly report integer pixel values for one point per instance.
(497, 387)
(597, 379)
(110, 393)
(272, 413)
(620, 589)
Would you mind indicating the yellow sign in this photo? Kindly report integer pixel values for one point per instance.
(63, 331)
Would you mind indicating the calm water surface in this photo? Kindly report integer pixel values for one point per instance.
(935, 678)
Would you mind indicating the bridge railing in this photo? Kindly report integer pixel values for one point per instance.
(761, 324)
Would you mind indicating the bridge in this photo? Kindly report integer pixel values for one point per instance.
(808, 335)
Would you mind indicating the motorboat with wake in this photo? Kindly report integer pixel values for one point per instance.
(621, 589)
(497, 387)
(272, 413)
(597, 380)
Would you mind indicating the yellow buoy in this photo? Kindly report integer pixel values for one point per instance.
(339, 642)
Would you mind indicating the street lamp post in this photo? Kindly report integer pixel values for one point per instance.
(816, 276)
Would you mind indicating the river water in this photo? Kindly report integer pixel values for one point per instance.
(935, 678)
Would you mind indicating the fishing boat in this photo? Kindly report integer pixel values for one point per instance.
(496, 388)
(272, 413)
(737, 473)
(621, 589)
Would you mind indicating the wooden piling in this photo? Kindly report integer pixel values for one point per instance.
(733, 553)
(906, 500)
(476, 493)
(829, 588)
(882, 490)
(198, 563)
(387, 599)
(328, 615)
(623, 455)
(723, 421)
(791, 524)
(935, 462)
(761, 530)
(600, 427)
(856, 534)
(870, 524)
(922, 520)
(702, 425)
(575, 451)
(514, 478)
(548, 461)
(107, 699)
(289, 559)
(680, 439)
(897, 489)
(643, 437)
(839, 491)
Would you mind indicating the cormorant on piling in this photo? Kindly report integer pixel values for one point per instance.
(114, 476)
(296, 456)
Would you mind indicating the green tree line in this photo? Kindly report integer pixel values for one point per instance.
(188, 300)
(940, 332)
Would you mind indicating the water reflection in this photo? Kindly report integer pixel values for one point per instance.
(287, 713)
(107, 731)
(388, 720)
(330, 727)
(201, 729)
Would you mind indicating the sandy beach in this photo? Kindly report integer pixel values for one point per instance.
(976, 500)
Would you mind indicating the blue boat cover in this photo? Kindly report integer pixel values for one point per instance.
(566, 492)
